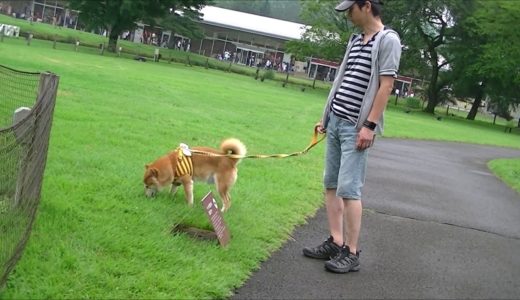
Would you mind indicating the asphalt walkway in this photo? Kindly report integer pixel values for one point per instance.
(437, 224)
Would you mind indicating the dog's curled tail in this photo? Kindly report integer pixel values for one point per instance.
(233, 146)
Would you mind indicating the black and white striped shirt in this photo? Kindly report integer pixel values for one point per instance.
(347, 101)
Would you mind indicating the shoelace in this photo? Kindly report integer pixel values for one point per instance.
(344, 254)
(324, 248)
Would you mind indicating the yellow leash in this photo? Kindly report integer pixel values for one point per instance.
(314, 142)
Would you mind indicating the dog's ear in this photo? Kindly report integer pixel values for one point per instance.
(154, 172)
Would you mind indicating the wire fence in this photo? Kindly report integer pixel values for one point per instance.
(26, 109)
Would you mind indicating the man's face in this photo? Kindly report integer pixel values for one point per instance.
(356, 13)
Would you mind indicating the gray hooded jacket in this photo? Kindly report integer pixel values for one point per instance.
(386, 53)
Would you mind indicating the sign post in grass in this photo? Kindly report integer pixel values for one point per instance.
(220, 231)
(215, 217)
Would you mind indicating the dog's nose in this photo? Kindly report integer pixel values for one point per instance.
(149, 193)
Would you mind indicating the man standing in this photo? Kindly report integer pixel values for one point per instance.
(352, 117)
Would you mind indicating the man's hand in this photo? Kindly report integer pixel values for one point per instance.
(365, 138)
(319, 127)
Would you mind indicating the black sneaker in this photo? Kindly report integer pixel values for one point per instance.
(344, 262)
(327, 250)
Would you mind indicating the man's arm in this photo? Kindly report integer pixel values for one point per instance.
(366, 136)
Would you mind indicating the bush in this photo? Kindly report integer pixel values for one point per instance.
(269, 74)
(413, 103)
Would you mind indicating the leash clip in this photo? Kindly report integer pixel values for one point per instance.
(185, 149)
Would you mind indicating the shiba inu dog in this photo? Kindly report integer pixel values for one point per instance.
(184, 165)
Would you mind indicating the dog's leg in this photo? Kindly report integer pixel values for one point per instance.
(175, 187)
(226, 201)
(224, 184)
(188, 191)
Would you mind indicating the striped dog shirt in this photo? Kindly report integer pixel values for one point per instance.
(184, 164)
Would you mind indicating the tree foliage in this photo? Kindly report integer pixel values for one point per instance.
(427, 29)
(327, 36)
(488, 56)
(117, 16)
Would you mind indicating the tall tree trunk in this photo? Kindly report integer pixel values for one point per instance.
(112, 41)
(476, 103)
(433, 96)
(433, 90)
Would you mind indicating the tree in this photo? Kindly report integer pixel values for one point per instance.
(328, 34)
(427, 28)
(488, 56)
(117, 16)
(183, 23)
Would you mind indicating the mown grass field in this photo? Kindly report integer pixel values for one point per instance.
(97, 236)
(66, 38)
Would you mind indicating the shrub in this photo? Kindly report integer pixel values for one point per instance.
(269, 74)
(413, 103)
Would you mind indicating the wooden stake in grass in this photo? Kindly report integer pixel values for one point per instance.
(286, 80)
(29, 38)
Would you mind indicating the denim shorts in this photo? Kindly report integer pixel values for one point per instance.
(345, 166)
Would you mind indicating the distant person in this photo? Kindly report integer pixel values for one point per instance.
(352, 116)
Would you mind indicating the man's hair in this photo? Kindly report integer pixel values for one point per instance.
(376, 6)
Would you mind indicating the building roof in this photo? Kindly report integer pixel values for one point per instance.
(252, 23)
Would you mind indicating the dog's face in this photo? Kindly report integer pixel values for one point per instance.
(151, 184)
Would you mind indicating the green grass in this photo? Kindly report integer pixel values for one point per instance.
(89, 43)
(97, 236)
(420, 125)
(508, 170)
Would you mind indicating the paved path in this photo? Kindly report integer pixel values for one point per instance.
(436, 224)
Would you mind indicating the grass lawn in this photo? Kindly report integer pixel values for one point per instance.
(508, 170)
(97, 236)
(88, 42)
